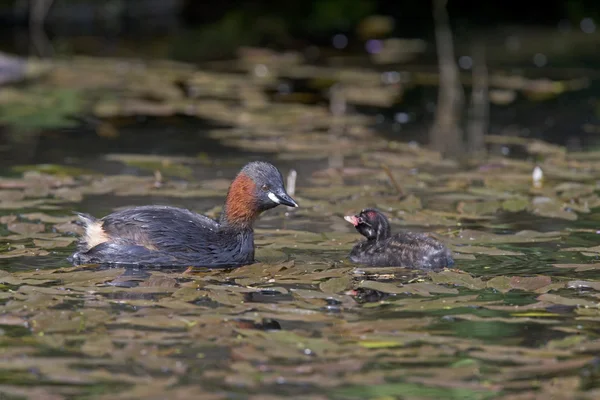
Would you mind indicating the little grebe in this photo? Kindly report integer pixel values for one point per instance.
(169, 236)
(382, 249)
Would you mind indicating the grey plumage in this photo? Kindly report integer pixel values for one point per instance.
(170, 236)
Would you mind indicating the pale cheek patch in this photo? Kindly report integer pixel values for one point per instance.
(274, 198)
(95, 235)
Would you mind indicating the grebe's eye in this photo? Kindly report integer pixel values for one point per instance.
(265, 188)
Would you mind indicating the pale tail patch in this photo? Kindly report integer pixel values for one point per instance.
(94, 234)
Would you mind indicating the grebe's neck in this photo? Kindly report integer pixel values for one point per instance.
(384, 230)
(240, 208)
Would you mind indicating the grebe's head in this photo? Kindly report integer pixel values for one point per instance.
(269, 191)
(370, 223)
(258, 187)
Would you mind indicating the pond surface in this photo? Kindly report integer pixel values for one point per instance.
(517, 319)
(521, 316)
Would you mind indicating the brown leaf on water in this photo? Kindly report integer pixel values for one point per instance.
(307, 294)
(153, 320)
(10, 196)
(18, 205)
(43, 217)
(420, 288)
(384, 287)
(7, 219)
(578, 267)
(427, 288)
(572, 190)
(383, 326)
(293, 341)
(567, 342)
(516, 204)
(186, 294)
(270, 256)
(505, 354)
(35, 302)
(457, 278)
(26, 228)
(589, 250)
(458, 256)
(54, 243)
(336, 285)
(260, 271)
(551, 287)
(24, 253)
(546, 207)
(69, 227)
(41, 236)
(32, 287)
(538, 307)
(530, 283)
(547, 369)
(77, 277)
(159, 282)
(12, 320)
(54, 321)
(36, 392)
(500, 283)
(226, 297)
(99, 345)
(478, 207)
(445, 303)
(514, 318)
(564, 301)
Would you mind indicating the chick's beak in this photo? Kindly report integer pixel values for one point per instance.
(353, 219)
(283, 198)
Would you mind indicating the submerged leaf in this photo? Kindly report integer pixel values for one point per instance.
(516, 204)
(458, 279)
(26, 228)
(382, 287)
(530, 283)
(556, 299)
(578, 267)
(24, 253)
(336, 285)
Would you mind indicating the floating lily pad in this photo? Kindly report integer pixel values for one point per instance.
(458, 279)
(336, 285)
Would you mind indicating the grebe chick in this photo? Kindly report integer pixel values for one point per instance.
(382, 249)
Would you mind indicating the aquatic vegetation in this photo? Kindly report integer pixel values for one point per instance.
(304, 315)
(517, 318)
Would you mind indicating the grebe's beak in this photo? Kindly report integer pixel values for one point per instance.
(353, 219)
(282, 198)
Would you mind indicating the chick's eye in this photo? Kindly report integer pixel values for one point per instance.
(265, 188)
